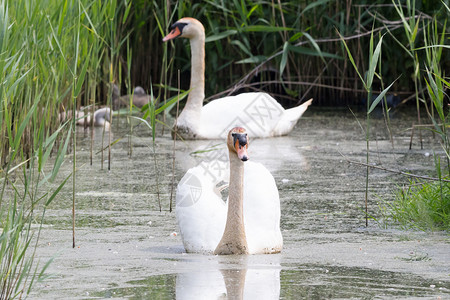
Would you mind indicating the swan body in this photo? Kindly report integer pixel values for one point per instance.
(203, 216)
(260, 113)
(102, 117)
(140, 98)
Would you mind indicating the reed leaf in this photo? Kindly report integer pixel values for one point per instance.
(314, 4)
(60, 156)
(373, 60)
(171, 102)
(315, 45)
(313, 52)
(379, 98)
(80, 79)
(253, 60)
(264, 28)
(57, 190)
(221, 35)
(23, 124)
(284, 57)
(353, 61)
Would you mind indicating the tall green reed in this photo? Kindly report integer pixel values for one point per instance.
(411, 26)
(29, 136)
(367, 81)
(425, 205)
(52, 53)
(435, 83)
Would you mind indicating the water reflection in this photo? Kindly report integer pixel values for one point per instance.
(274, 153)
(235, 278)
(99, 135)
(255, 277)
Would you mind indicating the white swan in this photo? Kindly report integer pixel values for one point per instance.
(249, 223)
(102, 117)
(262, 115)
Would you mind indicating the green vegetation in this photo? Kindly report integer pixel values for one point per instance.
(423, 206)
(296, 39)
(51, 53)
(426, 205)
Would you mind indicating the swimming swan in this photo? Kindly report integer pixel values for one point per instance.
(248, 224)
(102, 117)
(261, 114)
(140, 98)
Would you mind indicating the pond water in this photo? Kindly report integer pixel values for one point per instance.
(127, 248)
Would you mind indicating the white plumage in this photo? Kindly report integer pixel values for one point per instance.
(259, 113)
(201, 213)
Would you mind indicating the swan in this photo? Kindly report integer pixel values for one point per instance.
(102, 117)
(248, 224)
(261, 114)
(140, 98)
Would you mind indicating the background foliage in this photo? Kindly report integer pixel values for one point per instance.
(297, 40)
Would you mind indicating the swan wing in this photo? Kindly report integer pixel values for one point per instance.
(259, 113)
(261, 210)
(200, 211)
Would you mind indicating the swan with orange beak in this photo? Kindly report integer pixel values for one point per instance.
(210, 121)
(248, 222)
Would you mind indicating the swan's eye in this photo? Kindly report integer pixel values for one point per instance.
(178, 26)
(176, 30)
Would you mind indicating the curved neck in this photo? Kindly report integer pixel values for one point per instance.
(197, 87)
(233, 240)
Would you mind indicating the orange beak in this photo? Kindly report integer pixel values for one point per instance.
(241, 151)
(173, 34)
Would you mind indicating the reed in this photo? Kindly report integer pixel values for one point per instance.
(26, 117)
(367, 81)
(421, 204)
(51, 55)
(436, 84)
(296, 41)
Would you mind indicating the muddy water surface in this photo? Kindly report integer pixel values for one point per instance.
(127, 248)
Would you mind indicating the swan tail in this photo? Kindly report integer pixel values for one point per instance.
(290, 118)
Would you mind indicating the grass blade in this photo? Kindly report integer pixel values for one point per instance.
(379, 98)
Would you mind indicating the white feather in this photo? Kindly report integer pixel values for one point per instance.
(201, 213)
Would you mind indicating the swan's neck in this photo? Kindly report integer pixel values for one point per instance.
(197, 93)
(233, 240)
(189, 121)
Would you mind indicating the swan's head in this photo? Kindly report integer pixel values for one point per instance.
(187, 28)
(139, 91)
(237, 142)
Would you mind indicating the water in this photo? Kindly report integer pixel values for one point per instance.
(126, 248)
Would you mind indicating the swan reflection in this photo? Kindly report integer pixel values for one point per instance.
(235, 281)
(275, 153)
